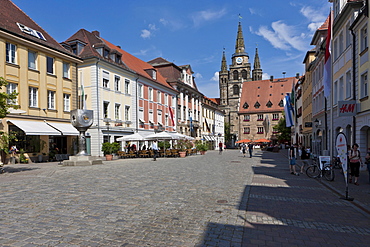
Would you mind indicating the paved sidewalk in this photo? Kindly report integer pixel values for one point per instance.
(289, 210)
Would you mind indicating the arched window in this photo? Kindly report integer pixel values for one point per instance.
(235, 89)
(244, 74)
(235, 75)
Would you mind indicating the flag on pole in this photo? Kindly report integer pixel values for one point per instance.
(171, 115)
(327, 65)
(83, 101)
(288, 108)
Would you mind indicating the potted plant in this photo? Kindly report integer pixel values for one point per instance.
(22, 157)
(201, 147)
(110, 148)
(182, 146)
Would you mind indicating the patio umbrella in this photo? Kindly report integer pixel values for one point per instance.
(262, 140)
(160, 136)
(243, 141)
(177, 136)
(132, 137)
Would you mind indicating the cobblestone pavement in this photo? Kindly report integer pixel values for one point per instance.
(201, 200)
(289, 210)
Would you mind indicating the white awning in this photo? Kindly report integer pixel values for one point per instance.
(67, 129)
(36, 128)
(206, 138)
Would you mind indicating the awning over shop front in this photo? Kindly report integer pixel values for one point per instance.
(206, 138)
(66, 128)
(37, 128)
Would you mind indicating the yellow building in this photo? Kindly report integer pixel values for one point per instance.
(44, 75)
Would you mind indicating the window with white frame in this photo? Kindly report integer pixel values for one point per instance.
(259, 130)
(50, 65)
(105, 79)
(127, 113)
(246, 130)
(159, 116)
(341, 43)
(259, 117)
(336, 51)
(32, 56)
(247, 118)
(166, 99)
(117, 111)
(66, 67)
(51, 100)
(341, 89)
(140, 91)
(33, 97)
(127, 86)
(348, 84)
(11, 52)
(10, 88)
(174, 101)
(66, 102)
(275, 116)
(364, 85)
(117, 81)
(105, 109)
(363, 41)
(150, 95)
(159, 97)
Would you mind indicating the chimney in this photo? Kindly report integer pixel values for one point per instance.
(96, 33)
(119, 46)
(271, 78)
(297, 75)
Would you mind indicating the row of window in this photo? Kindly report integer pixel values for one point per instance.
(11, 57)
(117, 111)
(33, 99)
(275, 117)
(247, 130)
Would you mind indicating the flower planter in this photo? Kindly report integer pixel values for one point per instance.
(109, 157)
(202, 152)
(182, 154)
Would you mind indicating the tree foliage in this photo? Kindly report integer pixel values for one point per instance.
(227, 133)
(284, 133)
(5, 98)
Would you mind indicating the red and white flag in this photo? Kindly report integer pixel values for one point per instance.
(327, 65)
(171, 115)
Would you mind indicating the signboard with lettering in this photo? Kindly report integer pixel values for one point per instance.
(347, 108)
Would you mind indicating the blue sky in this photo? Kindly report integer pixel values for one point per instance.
(192, 32)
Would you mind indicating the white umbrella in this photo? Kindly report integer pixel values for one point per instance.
(132, 137)
(159, 136)
(176, 135)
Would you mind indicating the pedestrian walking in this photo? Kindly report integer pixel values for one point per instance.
(354, 163)
(250, 149)
(155, 150)
(292, 159)
(243, 148)
(220, 145)
(367, 162)
(304, 157)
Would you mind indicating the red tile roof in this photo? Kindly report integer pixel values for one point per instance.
(10, 15)
(264, 91)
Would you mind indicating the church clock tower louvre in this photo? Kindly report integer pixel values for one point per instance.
(231, 81)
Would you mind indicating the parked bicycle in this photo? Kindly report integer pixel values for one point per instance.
(315, 171)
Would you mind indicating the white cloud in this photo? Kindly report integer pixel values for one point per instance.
(314, 16)
(282, 36)
(207, 15)
(215, 77)
(145, 34)
(265, 76)
(198, 76)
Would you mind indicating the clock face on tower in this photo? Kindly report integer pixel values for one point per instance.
(239, 60)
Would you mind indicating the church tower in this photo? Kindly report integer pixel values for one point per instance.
(231, 81)
(257, 71)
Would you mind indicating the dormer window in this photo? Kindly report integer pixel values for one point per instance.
(152, 73)
(118, 58)
(269, 104)
(106, 53)
(281, 103)
(257, 105)
(245, 106)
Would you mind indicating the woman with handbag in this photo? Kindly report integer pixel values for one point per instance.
(354, 163)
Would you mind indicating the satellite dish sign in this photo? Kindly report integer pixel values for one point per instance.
(341, 146)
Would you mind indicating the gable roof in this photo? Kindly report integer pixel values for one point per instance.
(10, 15)
(264, 91)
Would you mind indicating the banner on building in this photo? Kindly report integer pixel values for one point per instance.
(347, 108)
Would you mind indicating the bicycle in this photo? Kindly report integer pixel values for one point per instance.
(314, 170)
